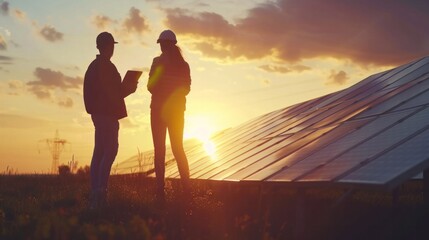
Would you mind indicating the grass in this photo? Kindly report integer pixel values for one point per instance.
(55, 207)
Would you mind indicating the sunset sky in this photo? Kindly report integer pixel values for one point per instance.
(247, 58)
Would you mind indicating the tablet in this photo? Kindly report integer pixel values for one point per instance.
(132, 77)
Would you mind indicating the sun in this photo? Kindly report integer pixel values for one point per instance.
(201, 128)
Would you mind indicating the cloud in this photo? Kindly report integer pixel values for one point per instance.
(4, 35)
(41, 92)
(46, 87)
(48, 81)
(47, 32)
(266, 82)
(73, 68)
(5, 60)
(365, 32)
(66, 102)
(15, 84)
(4, 8)
(50, 34)
(3, 45)
(300, 68)
(14, 43)
(17, 13)
(102, 22)
(337, 78)
(5, 31)
(135, 22)
(20, 15)
(19, 121)
(49, 95)
(15, 87)
(282, 69)
(278, 69)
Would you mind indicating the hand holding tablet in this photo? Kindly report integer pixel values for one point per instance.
(129, 84)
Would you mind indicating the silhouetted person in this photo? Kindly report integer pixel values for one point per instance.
(104, 99)
(169, 83)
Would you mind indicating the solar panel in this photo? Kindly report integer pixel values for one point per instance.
(247, 150)
(372, 133)
(398, 164)
(417, 100)
(341, 95)
(413, 71)
(369, 148)
(254, 164)
(304, 152)
(398, 98)
(336, 148)
(229, 162)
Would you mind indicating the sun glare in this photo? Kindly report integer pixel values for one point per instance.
(201, 128)
(210, 149)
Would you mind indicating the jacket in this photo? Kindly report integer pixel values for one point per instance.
(169, 83)
(102, 90)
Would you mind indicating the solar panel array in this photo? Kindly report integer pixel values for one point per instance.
(374, 133)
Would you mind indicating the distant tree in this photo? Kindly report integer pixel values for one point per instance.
(83, 171)
(64, 170)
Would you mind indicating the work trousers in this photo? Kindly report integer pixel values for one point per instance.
(173, 121)
(105, 151)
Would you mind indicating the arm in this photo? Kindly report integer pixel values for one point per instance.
(154, 75)
(89, 93)
(127, 89)
(187, 78)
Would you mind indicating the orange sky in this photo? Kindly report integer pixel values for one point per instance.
(245, 62)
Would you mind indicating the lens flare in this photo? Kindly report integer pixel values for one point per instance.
(210, 149)
(200, 128)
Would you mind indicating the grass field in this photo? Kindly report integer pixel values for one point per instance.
(55, 207)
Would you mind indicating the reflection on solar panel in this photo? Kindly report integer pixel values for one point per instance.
(374, 133)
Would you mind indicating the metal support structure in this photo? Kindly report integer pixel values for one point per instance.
(395, 197)
(300, 214)
(342, 198)
(426, 187)
(56, 146)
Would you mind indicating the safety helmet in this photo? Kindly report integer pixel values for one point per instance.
(167, 35)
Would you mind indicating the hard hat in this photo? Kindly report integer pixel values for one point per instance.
(167, 35)
(105, 38)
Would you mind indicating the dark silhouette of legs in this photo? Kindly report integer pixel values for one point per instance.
(159, 131)
(173, 120)
(105, 151)
(175, 131)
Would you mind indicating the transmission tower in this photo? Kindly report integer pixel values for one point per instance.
(56, 146)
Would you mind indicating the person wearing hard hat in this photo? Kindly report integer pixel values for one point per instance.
(169, 83)
(104, 95)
